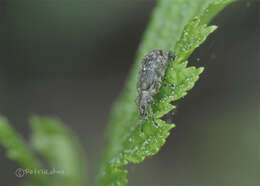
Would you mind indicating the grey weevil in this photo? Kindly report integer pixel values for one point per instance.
(151, 75)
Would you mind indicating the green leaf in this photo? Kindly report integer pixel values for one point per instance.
(18, 151)
(212, 10)
(178, 25)
(61, 149)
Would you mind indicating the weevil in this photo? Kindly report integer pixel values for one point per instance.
(150, 77)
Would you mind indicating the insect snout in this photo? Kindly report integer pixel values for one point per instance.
(143, 111)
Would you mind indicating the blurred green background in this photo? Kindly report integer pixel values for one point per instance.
(71, 58)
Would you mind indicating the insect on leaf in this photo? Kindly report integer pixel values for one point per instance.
(175, 25)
